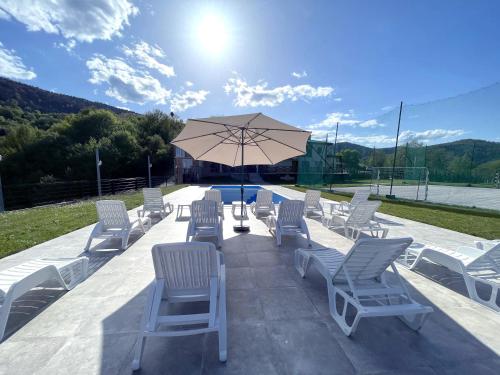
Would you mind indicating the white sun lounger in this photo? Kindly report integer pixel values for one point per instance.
(263, 203)
(153, 203)
(16, 281)
(486, 245)
(185, 272)
(216, 196)
(205, 221)
(290, 221)
(312, 203)
(114, 222)
(475, 265)
(358, 280)
(360, 196)
(360, 219)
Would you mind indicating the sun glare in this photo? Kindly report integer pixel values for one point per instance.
(212, 34)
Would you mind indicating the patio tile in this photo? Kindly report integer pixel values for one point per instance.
(243, 305)
(272, 277)
(264, 259)
(308, 347)
(234, 260)
(240, 278)
(286, 303)
(250, 351)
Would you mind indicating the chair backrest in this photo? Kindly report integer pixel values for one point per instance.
(264, 198)
(112, 214)
(204, 213)
(489, 260)
(369, 258)
(153, 198)
(291, 212)
(363, 213)
(312, 198)
(213, 195)
(360, 196)
(185, 265)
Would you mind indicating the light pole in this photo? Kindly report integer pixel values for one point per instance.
(149, 171)
(2, 206)
(98, 163)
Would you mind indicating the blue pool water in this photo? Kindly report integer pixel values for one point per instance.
(231, 193)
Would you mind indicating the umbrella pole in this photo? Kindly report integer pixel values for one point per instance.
(241, 227)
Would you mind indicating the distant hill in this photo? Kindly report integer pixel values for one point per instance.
(31, 98)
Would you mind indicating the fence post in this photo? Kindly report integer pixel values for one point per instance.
(2, 205)
(149, 171)
(98, 164)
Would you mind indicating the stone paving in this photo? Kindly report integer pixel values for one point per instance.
(278, 323)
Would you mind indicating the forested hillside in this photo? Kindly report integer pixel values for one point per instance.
(30, 98)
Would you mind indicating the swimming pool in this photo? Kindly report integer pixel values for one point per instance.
(231, 193)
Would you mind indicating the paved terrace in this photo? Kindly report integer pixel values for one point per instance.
(278, 323)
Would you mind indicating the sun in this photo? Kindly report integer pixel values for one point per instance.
(212, 34)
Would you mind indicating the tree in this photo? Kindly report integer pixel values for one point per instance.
(351, 159)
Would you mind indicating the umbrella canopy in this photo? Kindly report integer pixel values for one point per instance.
(253, 139)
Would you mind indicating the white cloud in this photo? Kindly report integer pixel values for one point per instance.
(387, 108)
(337, 99)
(83, 21)
(125, 83)
(148, 55)
(181, 102)
(189, 83)
(11, 65)
(68, 46)
(299, 75)
(261, 95)
(429, 135)
(373, 123)
(331, 120)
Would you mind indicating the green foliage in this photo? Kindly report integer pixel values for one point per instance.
(63, 146)
(351, 159)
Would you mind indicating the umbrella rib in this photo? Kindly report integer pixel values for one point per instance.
(275, 140)
(198, 136)
(257, 144)
(214, 146)
(239, 126)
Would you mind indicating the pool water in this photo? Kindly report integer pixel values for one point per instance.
(232, 193)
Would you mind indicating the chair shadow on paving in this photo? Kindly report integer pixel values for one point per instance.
(34, 302)
(279, 323)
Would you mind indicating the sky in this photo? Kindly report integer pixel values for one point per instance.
(307, 63)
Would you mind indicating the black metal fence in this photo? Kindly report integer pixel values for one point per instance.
(32, 195)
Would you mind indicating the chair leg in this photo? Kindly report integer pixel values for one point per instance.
(4, 315)
(139, 350)
(125, 240)
(341, 319)
(87, 246)
(222, 329)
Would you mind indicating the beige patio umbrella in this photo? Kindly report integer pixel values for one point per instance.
(252, 139)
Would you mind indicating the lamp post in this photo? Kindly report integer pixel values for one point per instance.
(2, 206)
(98, 163)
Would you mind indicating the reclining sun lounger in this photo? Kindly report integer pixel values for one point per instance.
(114, 222)
(360, 196)
(358, 279)
(312, 204)
(290, 221)
(205, 221)
(264, 203)
(16, 281)
(475, 265)
(216, 196)
(153, 202)
(185, 272)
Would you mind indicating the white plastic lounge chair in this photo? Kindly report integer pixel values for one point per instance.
(185, 272)
(153, 203)
(290, 221)
(264, 203)
(360, 196)
(357, 221)
(16, 281)
(205, 221)
(114, 222)
(358, 279)
(475, 265)
(486, 245)
(216, 196)
(312, 203)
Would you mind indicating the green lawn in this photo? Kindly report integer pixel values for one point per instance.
(477, 222)
(25, 228)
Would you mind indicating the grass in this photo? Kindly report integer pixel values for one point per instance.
(477, 222)
(26, 228)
